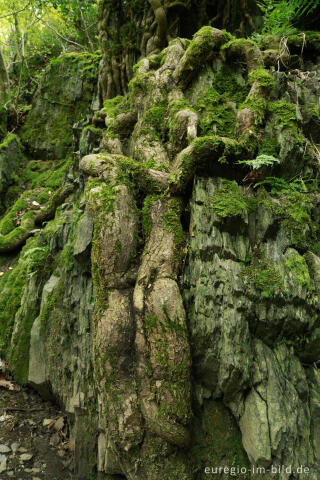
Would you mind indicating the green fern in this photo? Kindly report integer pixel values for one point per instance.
(281, 15)
(280, 186)
(307, 7)
(262, 160)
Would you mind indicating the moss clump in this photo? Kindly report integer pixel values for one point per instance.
(94, 130)
(257, 105)
(296, 265)
(202, 43)
(113, 106)
(286, 118)
(244, 49)
(228, 84)
(162, 332)
(269, 146)
(52, 302)
(205, 151)
(228, 200)
(63, 98)
(296, 218)
(264, 276)
(154, 118)
(12, 285)
(262, 77)
(34, 260)
(67, 258)
(11, 137)
(146, 215)
(140, 84)
(38, 173)
(172, 223)
(9, 221)
(216, 115)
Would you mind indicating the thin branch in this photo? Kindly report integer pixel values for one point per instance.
(61, 36)
(16, 12)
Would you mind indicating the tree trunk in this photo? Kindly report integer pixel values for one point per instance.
(132, 29)
(4, 81)
(4, 96)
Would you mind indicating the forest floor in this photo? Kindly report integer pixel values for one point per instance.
(33, 436)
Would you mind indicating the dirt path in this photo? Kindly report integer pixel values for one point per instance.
(33, 437)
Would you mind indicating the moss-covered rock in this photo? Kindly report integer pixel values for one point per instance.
(64, 96)
(11, 159)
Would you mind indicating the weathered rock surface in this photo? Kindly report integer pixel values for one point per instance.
(64, 97)
(170, 304)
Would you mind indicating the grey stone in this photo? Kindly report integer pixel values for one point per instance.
(15, 446)
(3, 465)
(26, 457)
(83, 234)
(5, 449)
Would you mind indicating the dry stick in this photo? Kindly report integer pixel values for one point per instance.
(16, 409)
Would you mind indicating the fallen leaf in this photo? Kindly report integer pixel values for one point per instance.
(59, 424)
(6, 384)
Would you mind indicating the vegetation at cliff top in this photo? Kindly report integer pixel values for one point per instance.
(33, 32)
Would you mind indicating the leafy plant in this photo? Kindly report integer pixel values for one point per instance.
(260, 161)
(280, 186)
(280, 16)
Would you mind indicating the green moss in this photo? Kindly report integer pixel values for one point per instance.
(161, 332)
(293, 210)
(50, 305)
(18, 358)
(154, 117)
(112, 106)
(285, 113)
(265, 277)
(34, 260)
(257, 105)
(58, 104)
(296, 214)
(146, 216)
(239, 43)
(262, 77)
(229, 201)
(67, 258)
(11, 137)
(216, 115)
(8, 222)
(243, 48)
(38, 173)
(202, 46)
(286, 118)
(12, 285)
(172, 223)
(269, 146)
(211, 149)
(227, 83)
(140, 84)
(296, 266)
(96, 131)
(105, 195)
(310, 40)
(3, 122)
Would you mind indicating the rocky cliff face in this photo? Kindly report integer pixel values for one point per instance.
(168, 305)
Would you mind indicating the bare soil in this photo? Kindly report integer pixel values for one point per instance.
(33, 437)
